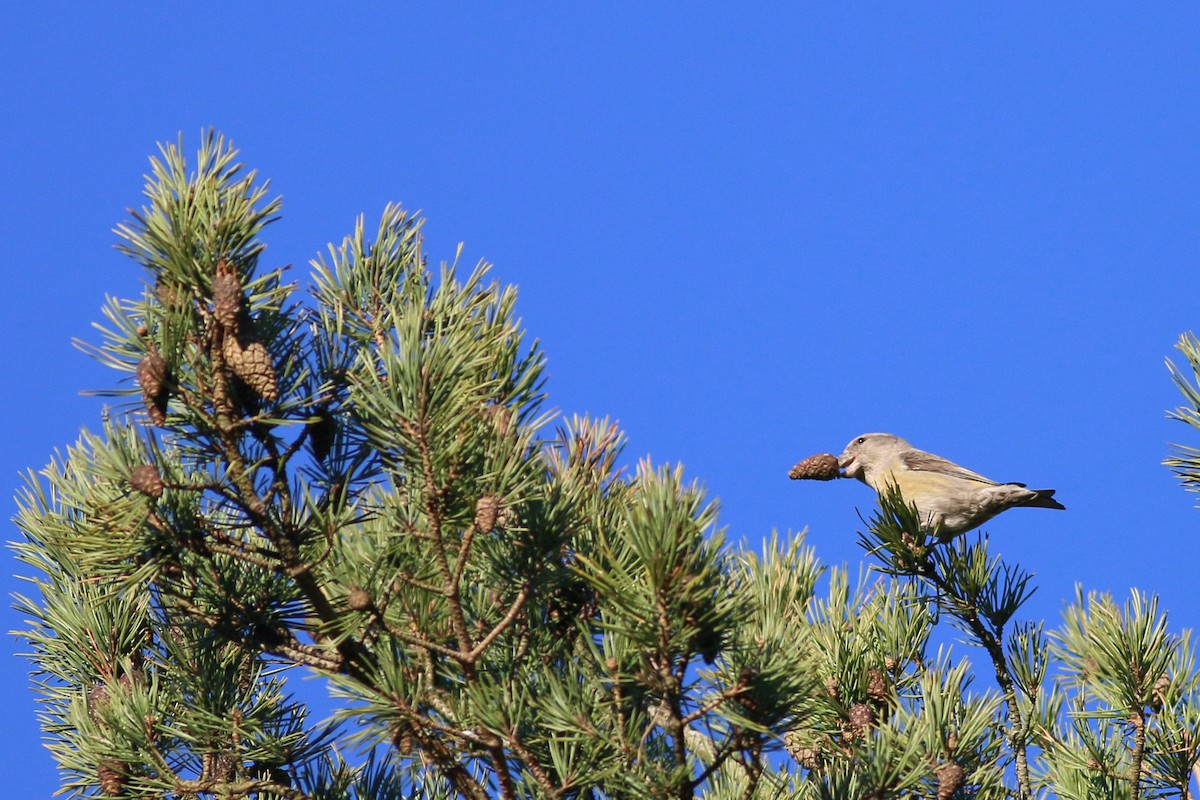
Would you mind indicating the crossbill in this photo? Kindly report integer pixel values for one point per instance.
(949, 498)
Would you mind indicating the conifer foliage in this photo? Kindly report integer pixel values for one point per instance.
(361, 482)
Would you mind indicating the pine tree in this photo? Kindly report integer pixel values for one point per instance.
(364, 484)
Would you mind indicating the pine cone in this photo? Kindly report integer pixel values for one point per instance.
(487, 512)
(862, 718)
(111, 777)
(821, 467)
(152, 377)
(97, 699)
(1159, 694)
(877, 686)
(145, 479)
(226, 300)
(803, 750)
(165, 292)
(253, 365)
(358, 599)
(402, 738)
(950, 777)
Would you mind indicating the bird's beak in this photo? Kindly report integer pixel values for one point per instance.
(846, 464)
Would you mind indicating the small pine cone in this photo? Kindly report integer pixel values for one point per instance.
(821, 467)
(801, 749)
(890, 663)
(227, 300)
(950, 778)
(252, 364)
(165, 292)
(97, 699)
(877, 687)
(862, 718)
(831, 686)
(111, 778)
(358, 599)
(152, 377)
(145, 479)
(403, 739)
(1159, 694)
(487, 512)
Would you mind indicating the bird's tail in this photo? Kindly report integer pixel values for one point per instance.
(1043, 498)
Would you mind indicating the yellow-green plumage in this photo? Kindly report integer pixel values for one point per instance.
(948, 497)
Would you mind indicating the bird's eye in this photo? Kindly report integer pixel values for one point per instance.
(860, 440)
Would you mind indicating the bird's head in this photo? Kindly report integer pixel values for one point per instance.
(869, 452)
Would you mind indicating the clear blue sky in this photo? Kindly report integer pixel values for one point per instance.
(749, 236)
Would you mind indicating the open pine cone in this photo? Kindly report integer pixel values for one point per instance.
(252, 364)
(821, 467)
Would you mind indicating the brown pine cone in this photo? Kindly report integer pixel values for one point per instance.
(111, 778)
(145, 479)
(165, 292)
(803, 749)
(821, 467)
(97, 699)
(950, 777)
(358, 599)
(252, 364)
(877, 686)
(1158, 696)
(152, 374)
(152, 377)
(402, 738)
(487, 512)
(226, 300)
(862, 718)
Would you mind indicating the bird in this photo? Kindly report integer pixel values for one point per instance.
(949, 499)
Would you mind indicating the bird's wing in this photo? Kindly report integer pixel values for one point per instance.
(921, 461)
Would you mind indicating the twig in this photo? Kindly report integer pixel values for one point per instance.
(429, 489)
(1139, 749)
(991, 643)
(420, 641)
(513, 611)
(531, 764)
